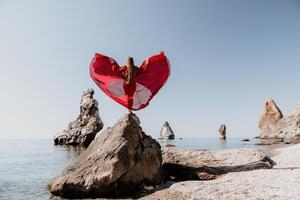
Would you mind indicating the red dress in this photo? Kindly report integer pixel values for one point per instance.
(149, 78)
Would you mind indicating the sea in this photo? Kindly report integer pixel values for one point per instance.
(27, 166)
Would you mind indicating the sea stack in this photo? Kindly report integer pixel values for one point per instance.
(269, 121)
(222, 131)
(119, 162)
(84, 129)
(166, 132)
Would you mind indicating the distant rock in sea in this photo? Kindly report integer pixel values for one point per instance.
(166, 132)
(120, 161)
(222, 132)
(270, 119)
(84, 129)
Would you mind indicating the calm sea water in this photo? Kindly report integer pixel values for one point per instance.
(27, 166)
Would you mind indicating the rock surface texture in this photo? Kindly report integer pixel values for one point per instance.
(290, 131)
(196, 164)
(270, 119)
(118, 162)
(166, 132)
(222, 132)
(84, 129)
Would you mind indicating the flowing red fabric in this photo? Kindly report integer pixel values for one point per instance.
(149, 78)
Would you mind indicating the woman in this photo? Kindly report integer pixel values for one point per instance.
(128, 72)
(132, 87)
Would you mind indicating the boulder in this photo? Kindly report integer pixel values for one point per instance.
(222, 131)
(270, 119)
(119, 162)
(84, 129)
(198, 164)
(166, 132)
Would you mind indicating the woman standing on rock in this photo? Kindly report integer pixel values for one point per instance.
(129, 85)
(128, 72)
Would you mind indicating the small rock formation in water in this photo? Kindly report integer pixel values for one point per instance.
(120, 161)
(245, 140)
(206, 164)
(84, 129)
(222, 131)
(269, 121)
(166, 132)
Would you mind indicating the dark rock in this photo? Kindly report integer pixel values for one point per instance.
(245, 140)
(262, 143)
(170, 145)
(119, 162)
(84, 129)
(270, 141)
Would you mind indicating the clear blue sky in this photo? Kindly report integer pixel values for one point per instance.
(227, 58)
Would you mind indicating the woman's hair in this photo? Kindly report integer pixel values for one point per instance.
(130, 71)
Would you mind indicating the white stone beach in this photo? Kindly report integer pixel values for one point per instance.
(279, 183)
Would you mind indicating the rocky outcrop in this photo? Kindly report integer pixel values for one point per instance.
(274, 126)
(222, 132)
(84, 129)
(270, 119)
(166, 132)
(118, 162)
(198, 164)
(290, 131)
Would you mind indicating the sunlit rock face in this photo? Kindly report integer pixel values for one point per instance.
(270, 119)
(291, 129)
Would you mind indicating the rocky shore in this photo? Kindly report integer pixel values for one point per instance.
(279, 183)
(124, 162)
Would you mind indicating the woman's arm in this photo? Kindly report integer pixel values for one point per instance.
(118, 69)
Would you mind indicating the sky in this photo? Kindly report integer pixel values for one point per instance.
(227, 58)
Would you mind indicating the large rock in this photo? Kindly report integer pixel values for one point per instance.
(84, 129)
(290, 130)
(194, 164)
(270, 119)
(287, 129)
(118, 162)
(166, 132)
(222, 132)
